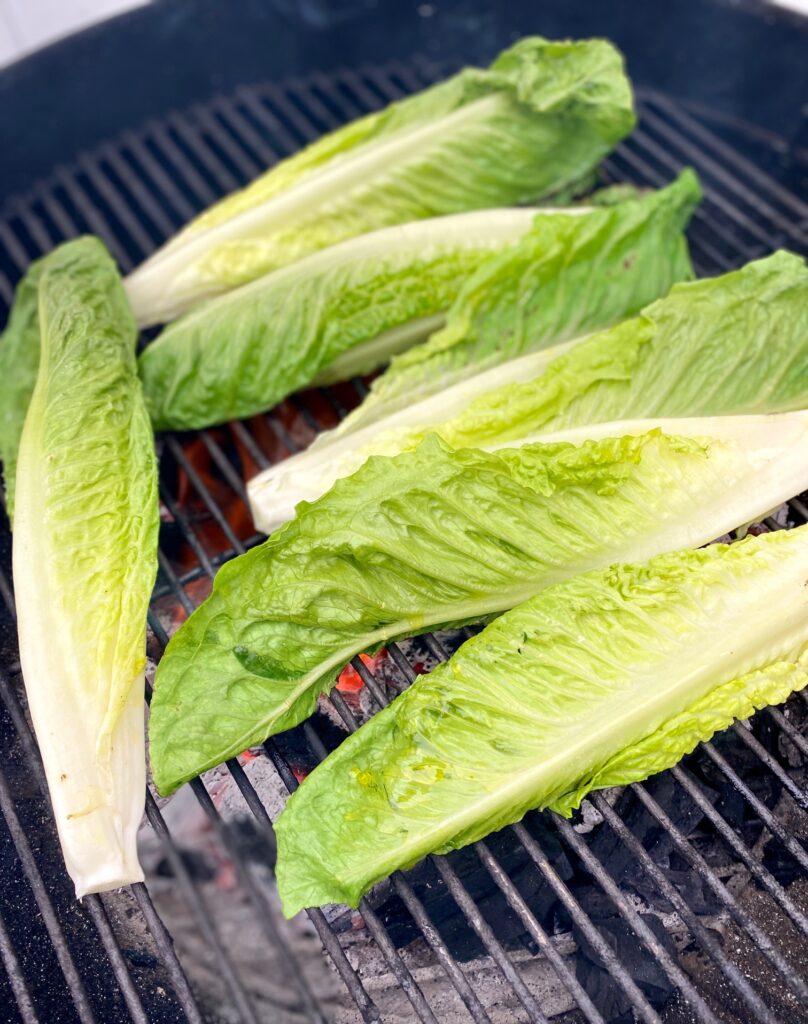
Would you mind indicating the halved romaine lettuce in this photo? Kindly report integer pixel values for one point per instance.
(563, 280)
(19, 360)
(346, 309)
(338, 312)
(85, 560)
(600, 680)
(530, 126)
(721, 346)
(434, 537)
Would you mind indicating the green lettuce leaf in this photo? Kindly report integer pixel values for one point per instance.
(19, 360)
(436, 537)
(603, 678)
(346, 309)
(85, 560)
(532, 125)
(721, 346)
(566, 278)
(335, 313)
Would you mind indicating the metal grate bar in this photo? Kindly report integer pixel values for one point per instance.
(60, 945)
(786, 727)
(762, 811)
(705, 872)
(267, 916)
(16, 978)
(535, 930)
(375, 927)
(628, 912)
(200, 911)
(205, 156)
(247, 136)
(226, 143)
(369, 1012)
(143, 196)
(147, 169)
(722, 826)
(111, 195)
(95, 219)
(730, 157)
(280, 137)
(483, 930)
(582, 920)
(165, 946)
(717, 198)
(95, 908)
(706, 939)
(745, 735)
(200, 191)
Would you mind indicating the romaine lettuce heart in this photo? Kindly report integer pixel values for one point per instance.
(531, 126)
(346, 309)
(722, 346)
(436, 537)
(563, 280)
(85, 561)
(600, 680)
(339, 312)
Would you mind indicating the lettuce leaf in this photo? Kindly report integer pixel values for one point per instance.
(19, 360)
(346, 309)
(337, 312)
(564, 279)
(532, 125)
(436, 537)
(599, 680)
(85, 561)
(721, 346)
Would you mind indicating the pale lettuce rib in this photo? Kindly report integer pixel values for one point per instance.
(435, 537)
(602, 679)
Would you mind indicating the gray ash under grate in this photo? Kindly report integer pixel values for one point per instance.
(681, 899)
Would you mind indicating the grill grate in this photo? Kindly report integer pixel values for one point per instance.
(134, 193)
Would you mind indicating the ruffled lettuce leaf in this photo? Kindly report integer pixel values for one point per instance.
(436, 537)
(530, 126)
(721, 346)
(728, 345)
(19, 361)
(85, 561)
(601, 679)
(335, 313)
(566, 278)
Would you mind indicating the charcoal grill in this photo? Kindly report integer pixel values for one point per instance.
(680, 899)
